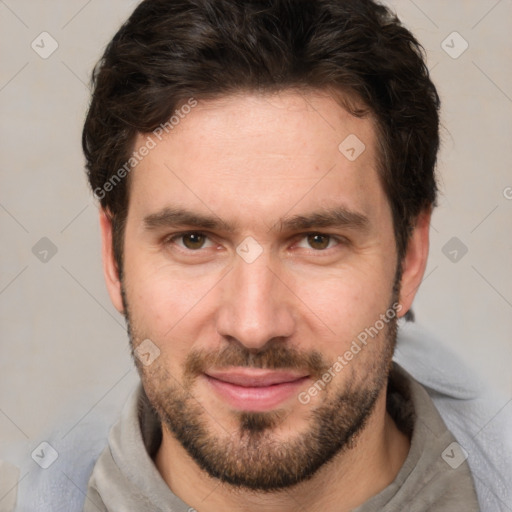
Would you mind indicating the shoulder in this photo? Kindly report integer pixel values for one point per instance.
(479, 418)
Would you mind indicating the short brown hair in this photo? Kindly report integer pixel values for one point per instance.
(170, 51)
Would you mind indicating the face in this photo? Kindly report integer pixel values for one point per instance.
(256, 256)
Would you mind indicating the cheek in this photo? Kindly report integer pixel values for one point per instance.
(160, 301)
(168, 306)
(345, 303)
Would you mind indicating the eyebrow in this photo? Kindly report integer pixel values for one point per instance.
(326, 218)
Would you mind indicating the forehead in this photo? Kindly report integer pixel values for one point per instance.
(267, 154)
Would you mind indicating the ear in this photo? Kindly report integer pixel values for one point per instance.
(110, 270)
(415, 260)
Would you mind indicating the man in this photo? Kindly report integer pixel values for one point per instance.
(266, 177)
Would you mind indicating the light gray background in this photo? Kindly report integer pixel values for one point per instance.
(63, 347)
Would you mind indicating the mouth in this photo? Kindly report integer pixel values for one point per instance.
(254, 389)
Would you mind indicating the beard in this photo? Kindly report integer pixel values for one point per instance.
(254, 456)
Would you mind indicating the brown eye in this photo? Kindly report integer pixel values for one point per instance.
(193, 241)
(318, 241)
(190, 246)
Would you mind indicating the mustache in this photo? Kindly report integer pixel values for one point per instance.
(276, 356)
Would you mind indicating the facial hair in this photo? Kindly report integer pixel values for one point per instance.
(253, 457)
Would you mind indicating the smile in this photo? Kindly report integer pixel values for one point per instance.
(255, 389)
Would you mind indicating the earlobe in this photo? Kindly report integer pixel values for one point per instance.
(110, 270)
(415, 261)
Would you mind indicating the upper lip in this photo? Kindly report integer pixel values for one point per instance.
(255, 377)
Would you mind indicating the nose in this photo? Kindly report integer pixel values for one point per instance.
(255, 305)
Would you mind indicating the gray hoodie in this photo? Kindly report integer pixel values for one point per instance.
(434, 477)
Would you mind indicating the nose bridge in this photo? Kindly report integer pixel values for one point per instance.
(254, 308)
(255, 283)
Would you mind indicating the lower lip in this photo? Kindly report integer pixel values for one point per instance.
(256, 398)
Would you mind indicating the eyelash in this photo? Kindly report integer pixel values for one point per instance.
(341, 241)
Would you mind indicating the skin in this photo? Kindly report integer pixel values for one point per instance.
(253, 160)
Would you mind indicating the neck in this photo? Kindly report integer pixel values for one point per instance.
(350, 479)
